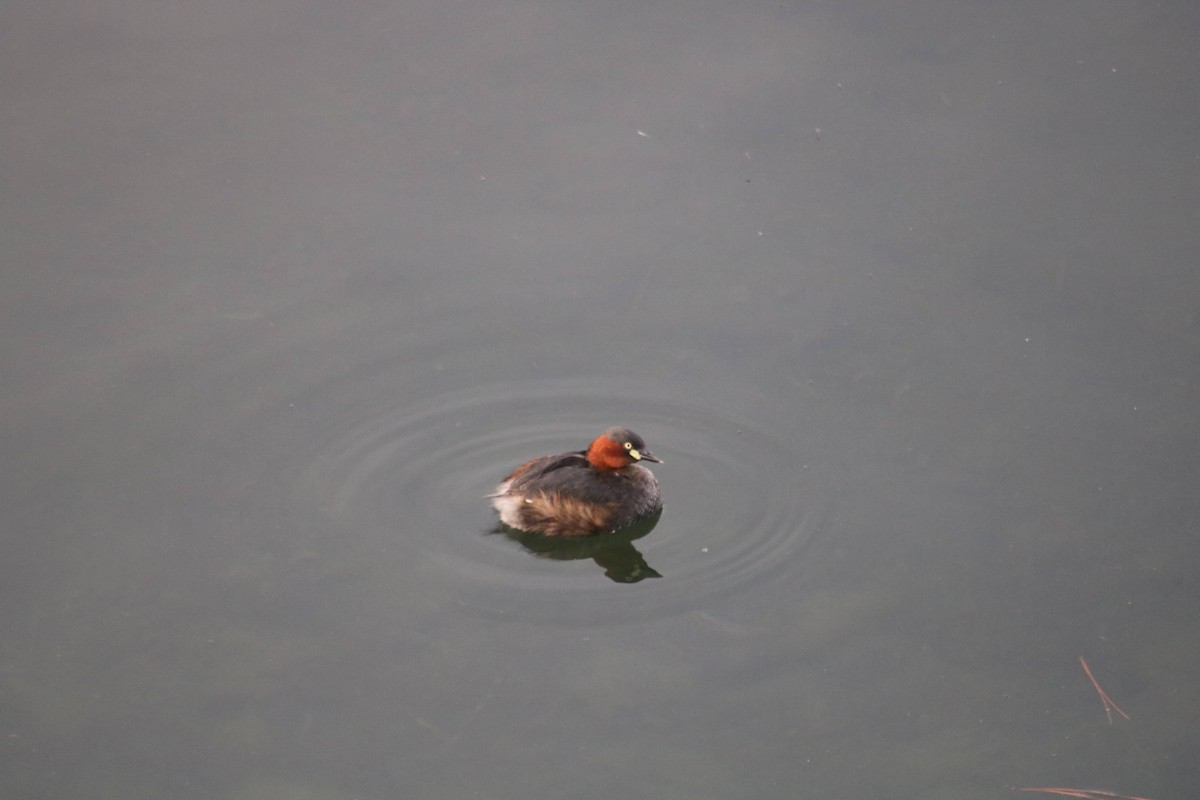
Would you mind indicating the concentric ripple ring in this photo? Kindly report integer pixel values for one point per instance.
(736, 506)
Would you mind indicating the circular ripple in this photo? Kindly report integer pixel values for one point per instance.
(736, 510)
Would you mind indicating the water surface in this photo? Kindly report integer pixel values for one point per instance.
(905, 296)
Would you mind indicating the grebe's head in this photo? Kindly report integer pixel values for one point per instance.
(617, 448)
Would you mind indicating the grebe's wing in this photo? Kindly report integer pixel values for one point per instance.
(538, 468)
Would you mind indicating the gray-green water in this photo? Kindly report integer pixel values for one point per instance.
(904, 294)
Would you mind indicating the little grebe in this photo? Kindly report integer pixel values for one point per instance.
(597, 490)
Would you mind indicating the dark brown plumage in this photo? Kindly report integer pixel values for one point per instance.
(597, 490)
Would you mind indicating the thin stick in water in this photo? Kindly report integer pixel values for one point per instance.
(1109, 705)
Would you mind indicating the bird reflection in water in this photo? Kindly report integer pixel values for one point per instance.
(613, 552)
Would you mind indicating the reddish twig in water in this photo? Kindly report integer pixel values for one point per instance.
(1084, 794)
(1109, 705)
(1087, 794)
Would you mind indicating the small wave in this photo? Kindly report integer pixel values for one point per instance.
(736, 509)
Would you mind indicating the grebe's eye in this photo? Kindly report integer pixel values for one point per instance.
(629, 445)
